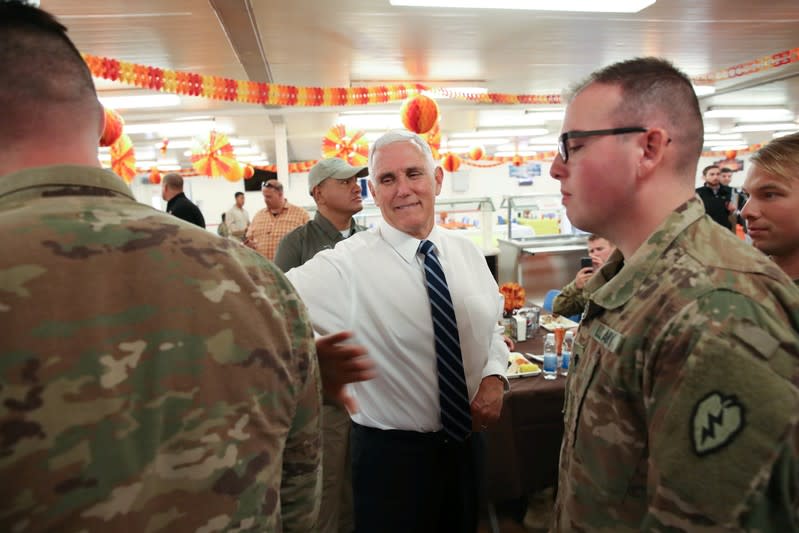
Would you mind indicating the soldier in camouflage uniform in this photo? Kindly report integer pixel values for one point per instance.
(573, 297)
(682, 405)
(153, 377)
(771, 211)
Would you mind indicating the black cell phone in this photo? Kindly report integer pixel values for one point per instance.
(585, 262)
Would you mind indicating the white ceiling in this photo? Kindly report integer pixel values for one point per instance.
(364, 42)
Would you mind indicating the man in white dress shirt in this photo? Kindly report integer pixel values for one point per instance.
(409, 474)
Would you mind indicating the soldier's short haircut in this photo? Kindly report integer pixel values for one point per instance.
(708, 169)
(174, 181)
(238, 194)
(725, 169)
(652, 87)
(40, 70)
(779, 158)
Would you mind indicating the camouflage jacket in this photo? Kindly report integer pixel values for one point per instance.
(570, 301)
(682, 403)
(154, 377)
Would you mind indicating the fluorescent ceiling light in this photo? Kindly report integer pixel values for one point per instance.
(140, 101)
(250, 158)
(499, 132)
(750, 114)
(783, 133)
(723, 137)
(370, 121)
(605, 6)
(509, 118)
(528, 147)
(260, 162)
(188, 143)
(726, 143)
(246, 150)
(704, 90)
(546, 114)
(774, 126)
(168, 168)
(492, 141)
(177, 129)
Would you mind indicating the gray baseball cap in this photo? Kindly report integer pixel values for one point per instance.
(335, 168)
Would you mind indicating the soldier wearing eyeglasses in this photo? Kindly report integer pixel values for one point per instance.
(681, 407)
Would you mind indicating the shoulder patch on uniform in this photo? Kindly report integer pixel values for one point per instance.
(715, 422)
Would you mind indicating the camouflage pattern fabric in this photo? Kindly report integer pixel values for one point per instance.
(682, 402)
(570, 301)
(154, 377)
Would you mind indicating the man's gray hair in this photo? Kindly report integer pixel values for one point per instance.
(394, 136)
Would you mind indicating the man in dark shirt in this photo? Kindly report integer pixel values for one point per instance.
(716, 196)
(176, 202)
(335, 189)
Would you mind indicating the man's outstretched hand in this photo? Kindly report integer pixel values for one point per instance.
(341, 363)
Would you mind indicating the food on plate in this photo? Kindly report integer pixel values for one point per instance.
(529, 367)
(551, 322)
(518, 364)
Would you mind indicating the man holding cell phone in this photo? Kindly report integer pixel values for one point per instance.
(571, 300)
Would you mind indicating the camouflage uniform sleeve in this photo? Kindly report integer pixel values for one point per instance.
(300, 491)
(570, 301)
(722, 410)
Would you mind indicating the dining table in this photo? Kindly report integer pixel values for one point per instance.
(523, 447)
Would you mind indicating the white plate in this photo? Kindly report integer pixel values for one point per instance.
(524, 374)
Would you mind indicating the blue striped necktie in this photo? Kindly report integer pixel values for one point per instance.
(453, 394)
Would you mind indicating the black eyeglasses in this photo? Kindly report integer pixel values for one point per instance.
(563, 140)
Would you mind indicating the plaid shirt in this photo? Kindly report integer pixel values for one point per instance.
(266, 229)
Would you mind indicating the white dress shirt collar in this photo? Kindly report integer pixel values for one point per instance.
(406, 245)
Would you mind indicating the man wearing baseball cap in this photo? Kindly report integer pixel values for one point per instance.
(334, 186)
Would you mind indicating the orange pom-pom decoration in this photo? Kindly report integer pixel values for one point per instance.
(249, 172)
(517, 160)
(155, 176)
(112, 127)
(451, 162)
(730, 154)
(514, 296)
(476, 153)
(419, 113)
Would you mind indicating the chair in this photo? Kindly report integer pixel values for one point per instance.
(549, 298)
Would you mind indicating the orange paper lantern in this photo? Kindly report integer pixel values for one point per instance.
(345, 144)
(517, 160)
(155, 176)
(451, 162)
(476, 153)
(730, 154)
(249, 172)
(419, 113)
(123, 158)
(213, 156)
(112, 128)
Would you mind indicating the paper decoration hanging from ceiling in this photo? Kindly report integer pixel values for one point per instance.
(112, 127)
(213, 156)
(451, 162)
(123, 158)
(345, 144)
(419, 113)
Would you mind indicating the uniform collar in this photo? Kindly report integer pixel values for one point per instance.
(32, 180)
(619, 279)
(406, 245)
(330, 230)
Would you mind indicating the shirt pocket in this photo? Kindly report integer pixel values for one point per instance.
(609, 440)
